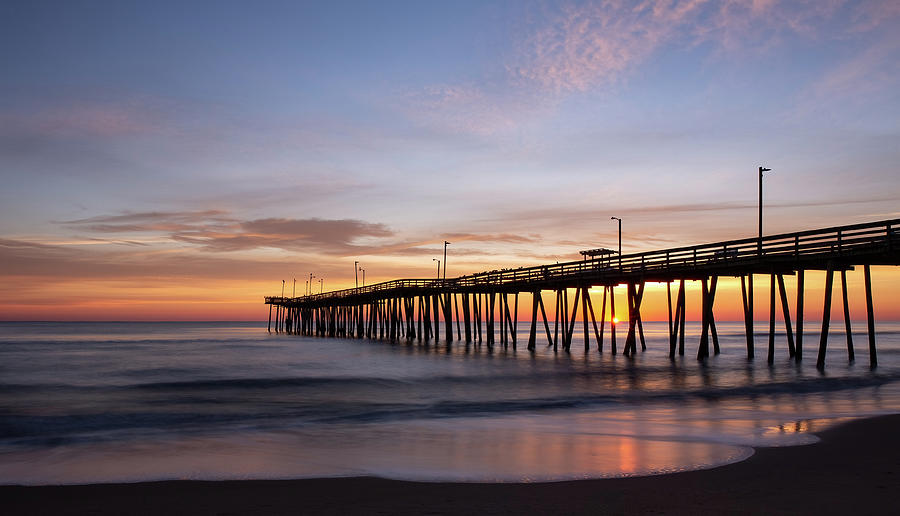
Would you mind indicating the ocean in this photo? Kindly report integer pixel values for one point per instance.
(126, 402)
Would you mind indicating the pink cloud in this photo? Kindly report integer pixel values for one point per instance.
(83, 119)
(582, 47)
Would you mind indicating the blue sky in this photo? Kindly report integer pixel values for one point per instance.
(274, 138)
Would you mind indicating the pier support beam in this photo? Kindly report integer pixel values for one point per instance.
(850, 354)
(771, 356)
(870, 318)
(826, 316)
(612, 318)
(533, 333)
(786, 312)
(602, 320)
(747, 297)
(800, 292)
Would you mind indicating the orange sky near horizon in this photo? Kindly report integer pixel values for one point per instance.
(237, 300)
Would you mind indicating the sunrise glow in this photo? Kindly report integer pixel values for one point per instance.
(137, 187)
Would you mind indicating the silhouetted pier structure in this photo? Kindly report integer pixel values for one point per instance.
(413, 308)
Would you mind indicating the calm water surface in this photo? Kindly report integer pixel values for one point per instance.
(107, 402)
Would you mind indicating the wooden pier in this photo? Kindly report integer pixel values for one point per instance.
(484, 306)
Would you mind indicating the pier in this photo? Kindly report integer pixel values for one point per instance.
(483, 307)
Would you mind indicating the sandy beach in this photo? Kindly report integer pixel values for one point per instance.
(854, 469)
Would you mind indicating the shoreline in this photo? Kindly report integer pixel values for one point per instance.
(854, 467)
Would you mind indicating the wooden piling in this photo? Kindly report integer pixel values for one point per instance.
(544, 315)
(584, 318)
(533, 332)
(870, 317)
(850, 354)
(612, 318)
(703, 350)
(800, 287)
(826, 315)
(456, 307)
(712, 316)
(786, 312)
(683, 296)
(515, 320)
(556, 312)
(771, 356)
(602, 320)
(640, 321)
(572, 320)
(435, 301)
(467, 321)
(587, 295)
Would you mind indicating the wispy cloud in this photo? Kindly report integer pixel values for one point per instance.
(587, 47)
(82, 119)
(583, 46)
(330, 236)
(468, 109)
(217, 230)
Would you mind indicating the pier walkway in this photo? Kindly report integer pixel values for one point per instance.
(414, 308)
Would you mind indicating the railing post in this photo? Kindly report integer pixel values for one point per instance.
(889, 243)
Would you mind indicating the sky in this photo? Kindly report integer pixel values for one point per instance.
(178, 160)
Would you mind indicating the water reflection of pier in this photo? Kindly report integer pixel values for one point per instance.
(479, 304)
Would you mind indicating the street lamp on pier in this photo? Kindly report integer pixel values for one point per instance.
(446, 243)
(439, 267)
(761, 170)
(620, 239)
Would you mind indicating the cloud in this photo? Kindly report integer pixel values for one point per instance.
(580, 47)
(332, 236)
(585, 46)
(82, 119)
(216, 230)
(151, 216)
(568, 213)
(570, 48)
(468, 109)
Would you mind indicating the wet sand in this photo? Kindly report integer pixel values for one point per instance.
(855, 469)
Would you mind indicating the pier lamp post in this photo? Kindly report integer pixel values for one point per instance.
(310, 284)
(761, 170)
(364, 276)
(356, 272)
(294, 289)
(282, 289)
(439, 267)
(446, 243)
(321, 285)
(620, 239)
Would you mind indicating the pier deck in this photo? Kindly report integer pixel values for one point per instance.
(413, 308)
